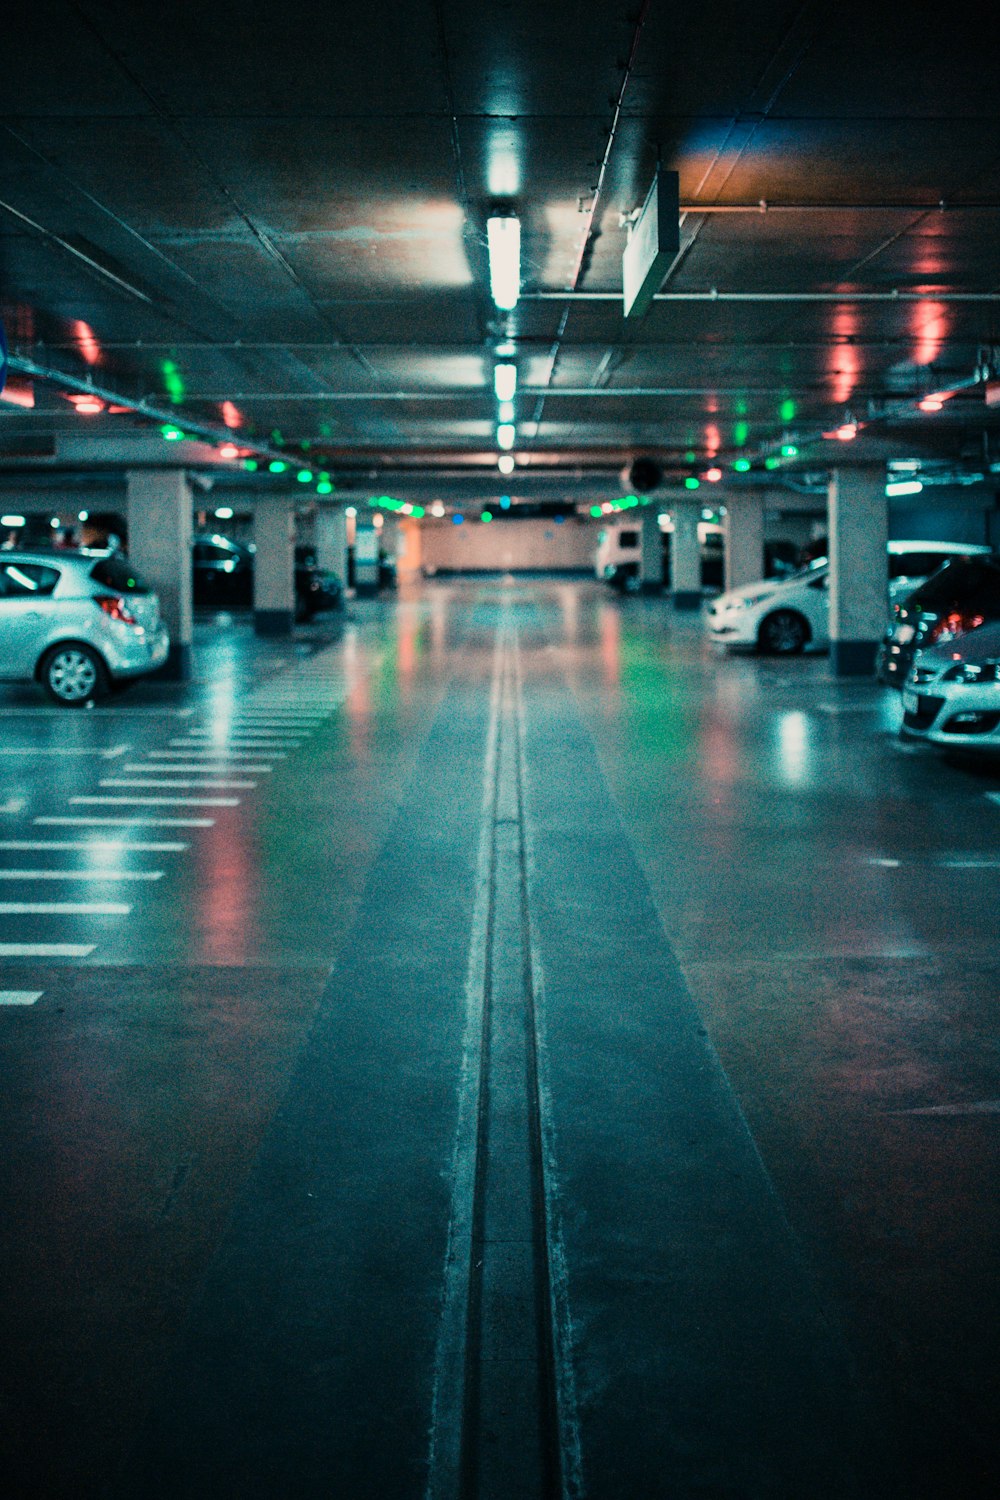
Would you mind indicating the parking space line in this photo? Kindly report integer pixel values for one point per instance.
(15, 750)
(155, 801)
(159, 781)
(13, 805)
(95, 846)
(95, 822)
(64, 909)
(195, 752)
(20, 997)
(204, 769)
(91, 875)
(46, 950)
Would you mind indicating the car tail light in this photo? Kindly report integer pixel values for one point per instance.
(115, 607)
(954, 624)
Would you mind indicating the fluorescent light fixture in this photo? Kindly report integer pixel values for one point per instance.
(505, 381)
(904, 487)
(506, 411)
(12, 521)
(506, 432)
(437, 509)
(505, 463)
(503, 237)
(224, 513)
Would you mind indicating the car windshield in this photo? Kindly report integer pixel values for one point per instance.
(117, 573)
(967, 583)
(809, 571)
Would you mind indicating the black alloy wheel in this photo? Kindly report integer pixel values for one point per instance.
(783, 633)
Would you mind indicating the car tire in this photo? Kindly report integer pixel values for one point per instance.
(73, 675)
(783, 633)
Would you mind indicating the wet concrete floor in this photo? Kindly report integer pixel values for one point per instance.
(496, 1046)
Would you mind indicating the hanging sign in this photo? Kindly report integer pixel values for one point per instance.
(653, 241)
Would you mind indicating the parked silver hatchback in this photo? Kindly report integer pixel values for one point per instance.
(76, 622)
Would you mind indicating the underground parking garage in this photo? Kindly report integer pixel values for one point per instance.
(464, 1029)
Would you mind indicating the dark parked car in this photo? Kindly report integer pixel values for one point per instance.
(223, 578)
(962, 595)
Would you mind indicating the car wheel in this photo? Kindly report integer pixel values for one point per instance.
(783, 634)
(73, 675)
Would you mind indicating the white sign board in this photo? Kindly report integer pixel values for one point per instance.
(652, 244)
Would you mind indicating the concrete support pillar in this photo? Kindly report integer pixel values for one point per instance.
(743, 535)
(859, 530)
(685, 556)
(651, 564)
(159, 544)
(274, 565)
(331, 542)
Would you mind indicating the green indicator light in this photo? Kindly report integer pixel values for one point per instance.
(173, 381)
(742, 465)
(276, 466)
(418, 511)
(789, 450)
(172, 434)
(596, 512)
(740, 433)
(691, 483)
(487, 515)
(305, 476)
(250, 463)
(690, 456)
(324, 487)
(788, 410)
(772, 462)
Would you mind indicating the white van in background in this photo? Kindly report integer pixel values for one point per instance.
(618, 557)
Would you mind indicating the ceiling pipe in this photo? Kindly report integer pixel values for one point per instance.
(714, 295)
(209, 432)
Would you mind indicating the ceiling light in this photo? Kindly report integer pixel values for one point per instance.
(503, 236)
(506, 433)
(506, 411)
(713, 475)
(904, 487)
(229, 450)
(437, 509)
(83, 515)
(505, 463)
(12, 521)
(224, 513)
(351, 510)
(505, 381)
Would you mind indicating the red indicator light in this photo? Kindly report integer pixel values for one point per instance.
(954, 624)
(86, 341)
(231, 415)
(713, 475)
(229, 450)
(19, 393)
(86, 406)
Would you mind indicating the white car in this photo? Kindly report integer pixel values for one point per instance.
(783, 616)
(76, 622)
(952, 693)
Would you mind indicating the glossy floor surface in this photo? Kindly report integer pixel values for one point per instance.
(496, 1046)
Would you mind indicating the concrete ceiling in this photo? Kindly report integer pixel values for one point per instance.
(229, 214)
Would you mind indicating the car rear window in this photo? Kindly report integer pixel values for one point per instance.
(117, 573)
(628, 539)
(963, 583)
(914, 564)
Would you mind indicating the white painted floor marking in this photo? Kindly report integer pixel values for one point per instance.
(939, 864)
(202, 784)
(201, 768)
(93, 876)
(155, 801)
(194, 752)
(46, 950)
(268, 746)
(980, 1107)
(13, 805)
(33, 750)
(95, 846)
(125, 822)
(20, 997)
(64, 909)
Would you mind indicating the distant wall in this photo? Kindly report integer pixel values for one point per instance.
(509, 546)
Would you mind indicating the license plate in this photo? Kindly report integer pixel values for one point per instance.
(911, 702)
